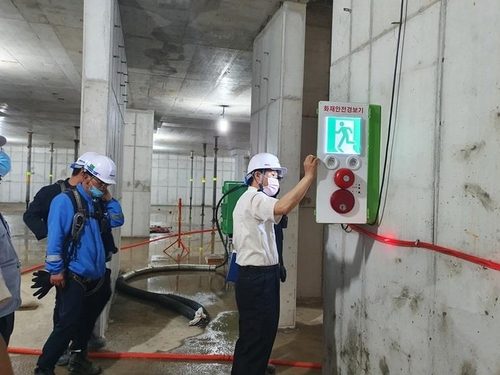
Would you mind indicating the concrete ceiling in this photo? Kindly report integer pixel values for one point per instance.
(186, 58)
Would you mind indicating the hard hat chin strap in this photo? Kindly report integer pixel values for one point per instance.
(262, 173)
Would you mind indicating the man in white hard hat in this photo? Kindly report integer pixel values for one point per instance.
(36, 217)
(258, 283)
(76, 260)
(37, 213)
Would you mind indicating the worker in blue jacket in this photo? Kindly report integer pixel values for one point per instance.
(76, 260)
(36, 219)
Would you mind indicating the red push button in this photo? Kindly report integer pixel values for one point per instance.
(343, 178)
(342, 201)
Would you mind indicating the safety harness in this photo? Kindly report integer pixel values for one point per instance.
(41, 278)
(70, 243)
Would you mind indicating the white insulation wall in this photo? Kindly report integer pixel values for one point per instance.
(394, 310)
(170, 175)
(14, 185)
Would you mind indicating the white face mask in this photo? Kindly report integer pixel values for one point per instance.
(272, 188)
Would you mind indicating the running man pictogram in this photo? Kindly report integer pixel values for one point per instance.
(343, 135)
(345, 131)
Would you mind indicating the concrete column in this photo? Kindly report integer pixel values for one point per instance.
(241, 159)
(276, 120)
(137, 159)
(316, 85)
(104, 80)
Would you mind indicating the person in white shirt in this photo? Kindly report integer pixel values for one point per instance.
(257, 287)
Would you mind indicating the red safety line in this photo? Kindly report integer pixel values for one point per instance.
(137, 244)
(171, 356)
(440, 249)
(165, 237)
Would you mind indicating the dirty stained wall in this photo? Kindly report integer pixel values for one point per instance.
(394, 310)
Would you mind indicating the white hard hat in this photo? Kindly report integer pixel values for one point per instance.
(103, 168)
(83, 159)
(265, 160)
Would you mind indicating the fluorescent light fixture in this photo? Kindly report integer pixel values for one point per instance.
(223, 125)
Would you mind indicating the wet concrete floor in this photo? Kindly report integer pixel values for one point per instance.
(138, 326)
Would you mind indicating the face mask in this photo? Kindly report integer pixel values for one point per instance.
(95, 192)
(272, 188)
(4, 164)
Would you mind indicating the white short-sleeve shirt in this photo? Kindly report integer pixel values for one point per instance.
(253, 229)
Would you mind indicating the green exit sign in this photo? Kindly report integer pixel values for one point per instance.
(343, 135)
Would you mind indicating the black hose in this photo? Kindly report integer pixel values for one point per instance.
(215, 218)
(182, 305)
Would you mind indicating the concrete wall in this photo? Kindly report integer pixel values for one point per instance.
(316, 85)
(137, 162)
(277, 88)
(393, 310)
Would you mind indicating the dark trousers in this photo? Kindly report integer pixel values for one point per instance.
(258, 299)
(78, 313)
(6, 327)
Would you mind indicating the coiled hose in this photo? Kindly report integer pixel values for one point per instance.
(182, 305)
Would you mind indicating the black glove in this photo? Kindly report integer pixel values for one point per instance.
(282, 273)
(41, 281)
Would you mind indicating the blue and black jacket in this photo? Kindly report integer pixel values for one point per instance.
(90, 256)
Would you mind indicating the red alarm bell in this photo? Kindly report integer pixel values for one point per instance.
(343, 178)
(342, 201)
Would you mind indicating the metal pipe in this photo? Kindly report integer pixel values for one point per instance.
(28, 169)
(191, 182)
(203, 182)
(214, 195)
(51, 166)
(191, 179)
(77, 142)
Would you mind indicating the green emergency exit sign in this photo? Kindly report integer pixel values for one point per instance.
(344, 135)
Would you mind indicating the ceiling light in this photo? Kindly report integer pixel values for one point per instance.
(223, 123)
